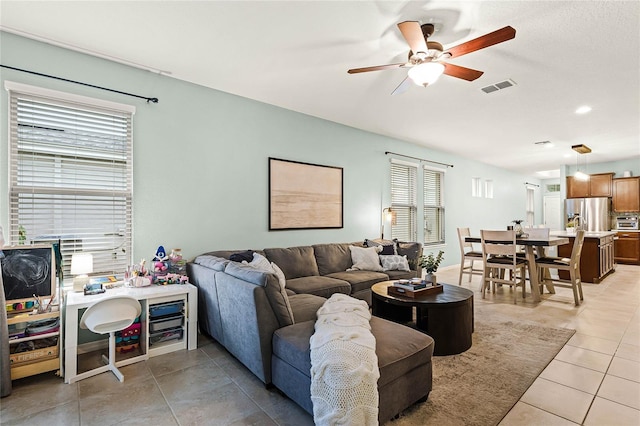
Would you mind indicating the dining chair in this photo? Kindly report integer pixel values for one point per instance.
(467, 254)
(108, 316)
(499, 253)
(571, 264)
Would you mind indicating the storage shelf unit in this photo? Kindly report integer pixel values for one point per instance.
(154, 319)
(167, 325)
(39, 360)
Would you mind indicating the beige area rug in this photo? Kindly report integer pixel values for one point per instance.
(481, 385)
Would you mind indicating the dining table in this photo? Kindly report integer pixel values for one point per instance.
(531, 245)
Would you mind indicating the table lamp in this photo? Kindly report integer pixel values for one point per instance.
(81, 265)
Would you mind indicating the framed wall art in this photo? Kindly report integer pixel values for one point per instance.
(304, 196)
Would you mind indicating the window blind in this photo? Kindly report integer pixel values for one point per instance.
(530, 206)
(70, 179)
(403, 201)
(433, 207)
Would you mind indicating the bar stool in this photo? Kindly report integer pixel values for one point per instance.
(108, 316)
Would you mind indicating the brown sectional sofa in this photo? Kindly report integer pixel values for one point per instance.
(268, 327)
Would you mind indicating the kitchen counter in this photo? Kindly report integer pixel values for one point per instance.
(587, 234)
(597, 260)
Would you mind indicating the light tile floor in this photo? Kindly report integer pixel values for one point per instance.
(594, 379)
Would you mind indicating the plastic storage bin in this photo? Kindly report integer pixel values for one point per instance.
(166, 335)
(166, 323)
(164, 309)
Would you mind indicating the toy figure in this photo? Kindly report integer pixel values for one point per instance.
(159, 262)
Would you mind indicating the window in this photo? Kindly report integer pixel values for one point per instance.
(476, 188)
(403, 201)
(488, 188)
(530, 206)
(70, 163)
(433, 206)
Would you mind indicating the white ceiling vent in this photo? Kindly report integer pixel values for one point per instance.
(498, 86)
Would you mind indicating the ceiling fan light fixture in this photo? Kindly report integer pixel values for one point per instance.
(426, 73)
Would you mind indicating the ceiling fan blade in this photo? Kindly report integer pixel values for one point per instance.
(412, 32)
(498, 36)
(461, 72)
(403, 87)
(376, 68)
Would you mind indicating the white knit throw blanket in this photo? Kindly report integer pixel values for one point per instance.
(344, 365)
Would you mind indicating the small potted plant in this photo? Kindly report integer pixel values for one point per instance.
(430, 264)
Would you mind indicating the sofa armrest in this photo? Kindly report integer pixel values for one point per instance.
(305, 306)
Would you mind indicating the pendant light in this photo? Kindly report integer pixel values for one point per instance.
(581, 149)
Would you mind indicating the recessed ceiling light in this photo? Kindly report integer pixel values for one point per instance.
(583, 109)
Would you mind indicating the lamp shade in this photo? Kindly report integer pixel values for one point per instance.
(81, 263)
(426, 73)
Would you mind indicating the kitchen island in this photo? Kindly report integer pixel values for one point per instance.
(596, 261)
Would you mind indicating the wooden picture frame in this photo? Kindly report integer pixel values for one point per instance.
(304, 195)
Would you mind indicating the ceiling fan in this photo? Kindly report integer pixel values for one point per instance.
(426, 58)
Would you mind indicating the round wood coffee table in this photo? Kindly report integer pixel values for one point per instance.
(447, 316)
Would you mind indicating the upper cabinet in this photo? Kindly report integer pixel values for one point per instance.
(598, 185)
(626, 195)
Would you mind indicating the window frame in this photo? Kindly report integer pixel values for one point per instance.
(404, 200)
(438, 205)
(42, 172)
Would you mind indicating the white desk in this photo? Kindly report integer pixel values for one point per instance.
(75, 301)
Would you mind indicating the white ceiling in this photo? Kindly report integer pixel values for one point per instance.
(296, 54)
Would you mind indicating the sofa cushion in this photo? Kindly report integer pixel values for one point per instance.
(277, 296)
(365, 259)
(305, 306)
(332, 258)
(389, 247)
(212, 262)
(399, 349)
(360, 280)
(401, 275)
(319, 286)
(295, 262)
(412, 250)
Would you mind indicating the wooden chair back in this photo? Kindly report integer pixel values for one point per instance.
(498, 243)
(462, 234)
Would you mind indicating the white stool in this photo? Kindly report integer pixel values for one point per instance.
(108, 316)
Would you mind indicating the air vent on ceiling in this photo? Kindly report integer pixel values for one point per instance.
(498, 86)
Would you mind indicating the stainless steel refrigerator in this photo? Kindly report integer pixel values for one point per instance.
(592, 213)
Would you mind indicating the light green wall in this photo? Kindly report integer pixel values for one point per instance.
(200, 161)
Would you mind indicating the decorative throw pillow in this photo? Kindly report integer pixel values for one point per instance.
(365, 259)
(388, 246)
(280, 275)
(261, 263)
(394, 263)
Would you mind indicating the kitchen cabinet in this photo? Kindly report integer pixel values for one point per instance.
(596, 260)
(627, 248)
(598, 185)
(626, 194)
(33, 351)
